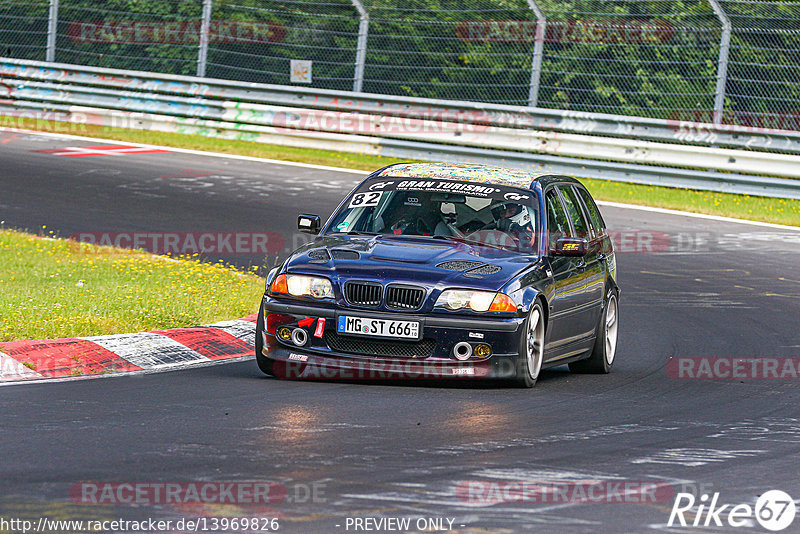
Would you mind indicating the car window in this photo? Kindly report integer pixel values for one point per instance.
(593, 232)
(557, 223)
(574, 212)
(594, 214)
(496, 216)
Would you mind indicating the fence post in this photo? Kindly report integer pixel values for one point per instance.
(722, 66)
(52, 29)
(361, 46)
(205, 28)
(538, 51)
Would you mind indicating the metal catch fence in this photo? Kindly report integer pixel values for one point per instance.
(721, 61)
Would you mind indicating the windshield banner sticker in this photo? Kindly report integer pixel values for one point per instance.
(439, 186)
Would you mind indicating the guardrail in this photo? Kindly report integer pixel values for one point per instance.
(625, 148)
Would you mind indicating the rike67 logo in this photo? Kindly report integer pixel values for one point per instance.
(774, 510)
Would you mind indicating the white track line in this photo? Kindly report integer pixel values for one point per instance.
(189, 151)
(356, 171)
(695, 215)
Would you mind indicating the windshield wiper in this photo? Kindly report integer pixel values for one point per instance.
(449, 238)
(468, 241)
(361, 232)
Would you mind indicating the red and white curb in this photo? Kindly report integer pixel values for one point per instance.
(124, 353)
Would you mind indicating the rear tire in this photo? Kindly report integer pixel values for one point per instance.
(605, 344)
(531, 347)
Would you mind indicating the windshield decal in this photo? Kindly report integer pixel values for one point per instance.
(441, 186)
(465, 171)
(365, 200)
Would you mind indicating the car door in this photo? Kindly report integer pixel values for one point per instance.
(594, 271)
(605, 252)
(564, 325)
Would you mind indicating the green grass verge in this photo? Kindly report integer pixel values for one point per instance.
(55, 288)
(764, 209)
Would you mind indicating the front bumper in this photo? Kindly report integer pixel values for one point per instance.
(328, 354)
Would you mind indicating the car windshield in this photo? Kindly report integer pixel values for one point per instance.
(496, 216)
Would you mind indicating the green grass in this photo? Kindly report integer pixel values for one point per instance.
(764, 209)
(55, 288)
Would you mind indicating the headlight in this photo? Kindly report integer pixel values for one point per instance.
(299, 285)
(479, 301)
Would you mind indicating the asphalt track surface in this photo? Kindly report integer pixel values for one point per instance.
(401, 449)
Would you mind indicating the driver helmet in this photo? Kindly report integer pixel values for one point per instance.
(511, 213)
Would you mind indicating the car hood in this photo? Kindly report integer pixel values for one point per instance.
(417, 260)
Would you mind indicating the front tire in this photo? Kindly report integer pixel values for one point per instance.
(266, 365)
(605, 344)
(531, 347)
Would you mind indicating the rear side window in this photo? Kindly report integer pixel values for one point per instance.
(594, 214)
(557, 222)
(574, 212)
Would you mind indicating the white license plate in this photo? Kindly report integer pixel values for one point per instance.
(378, 327)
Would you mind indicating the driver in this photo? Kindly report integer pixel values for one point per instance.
(513, 219)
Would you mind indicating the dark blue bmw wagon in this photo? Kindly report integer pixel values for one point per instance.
(446, 271)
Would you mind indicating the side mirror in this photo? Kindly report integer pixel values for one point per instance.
(570, 246)
(308, 223)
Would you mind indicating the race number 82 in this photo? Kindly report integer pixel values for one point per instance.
(365, 200)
